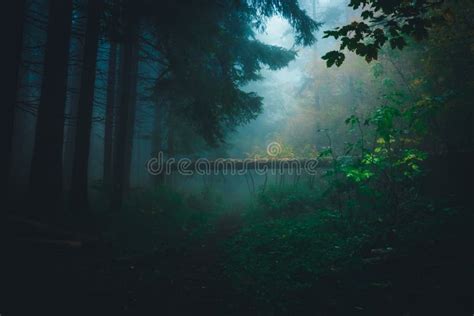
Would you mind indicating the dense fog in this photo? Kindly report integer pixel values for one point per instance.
(237, 157)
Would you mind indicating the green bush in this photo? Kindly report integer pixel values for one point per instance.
(290, 245)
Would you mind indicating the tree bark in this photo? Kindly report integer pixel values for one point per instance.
(12, 25)
(46, 167)
(79, 194)
(72, 105)
(157, 139)
(170, 142)
(129, 60)
(131, 118)
(109, 116)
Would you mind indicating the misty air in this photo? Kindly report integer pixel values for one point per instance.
(237, 157)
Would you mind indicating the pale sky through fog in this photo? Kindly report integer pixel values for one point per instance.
(279, 88)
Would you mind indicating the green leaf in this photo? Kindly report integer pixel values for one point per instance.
(334, 57)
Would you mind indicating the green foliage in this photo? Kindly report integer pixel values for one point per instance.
(334, 57)
(377, 70)
(291, 11)
(208, 59)
(314, 256)
(279, 256)
(285, 202)
(357, 238)
(295, 238)
(382, 22)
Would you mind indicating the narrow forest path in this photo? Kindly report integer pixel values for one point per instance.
(200, 283)
(185, 281)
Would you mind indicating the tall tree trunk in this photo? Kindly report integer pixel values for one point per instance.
(79, 196)
(109, 116)
(171, 142)
(46, 167)
(129, 60)
(131, 119)
(72, 105)
(157, 138)
(13, 23)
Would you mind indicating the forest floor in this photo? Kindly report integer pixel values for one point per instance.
(56, 272)
(48, 271)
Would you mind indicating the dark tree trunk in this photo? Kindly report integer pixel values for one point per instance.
(79, 197)
(131, 119)
(109, 116)
(129, 60)
(46, 167)
(12, 27)
(171, 142)
(72, 105)
(157, 139)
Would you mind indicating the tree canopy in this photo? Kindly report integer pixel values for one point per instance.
(383, 21)
(210, 52)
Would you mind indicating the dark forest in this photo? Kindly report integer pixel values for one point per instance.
(237, 157)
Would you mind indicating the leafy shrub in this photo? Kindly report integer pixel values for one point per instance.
(279, 201)
(284, 257)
